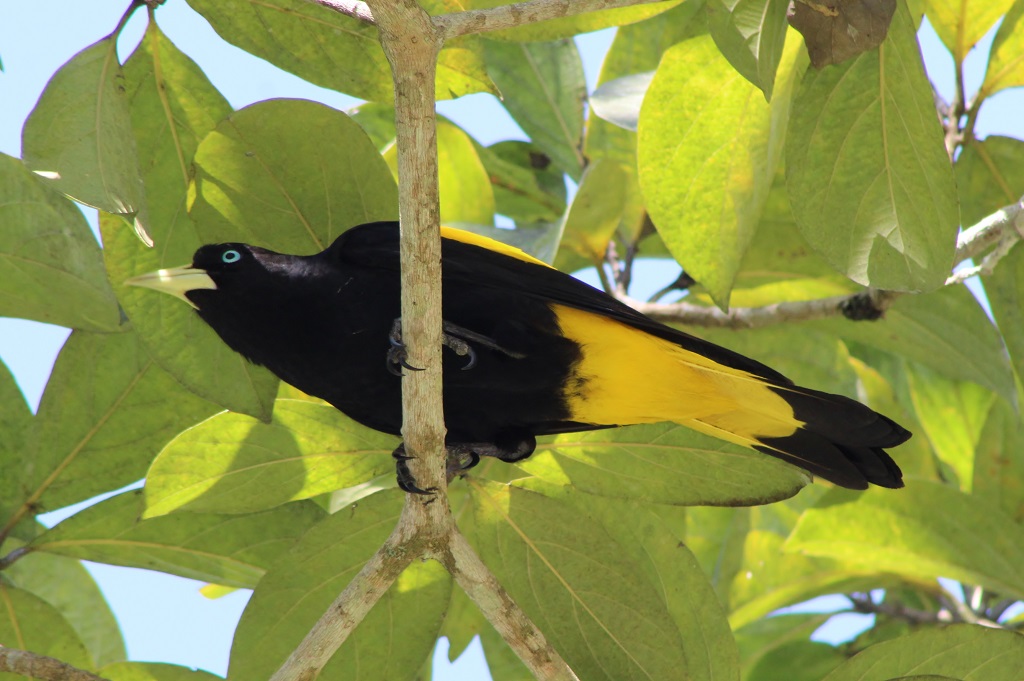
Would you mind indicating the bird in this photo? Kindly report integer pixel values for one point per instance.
(530, 351)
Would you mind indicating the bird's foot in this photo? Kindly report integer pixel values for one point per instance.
(460, 457)
(454, 337)
(406, 481)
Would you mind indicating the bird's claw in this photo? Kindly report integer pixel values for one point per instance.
(395, 360)
(406, 481)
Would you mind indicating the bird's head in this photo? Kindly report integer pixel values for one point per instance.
(215, 268)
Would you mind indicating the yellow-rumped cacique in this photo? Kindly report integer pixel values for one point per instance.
(530, 351)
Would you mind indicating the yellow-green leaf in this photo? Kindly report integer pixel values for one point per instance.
(962, 23)
(970, 540)
(960, 651)
(232, 550)
(1006, 61)
(708, 148)
(234, 464)
(751, 35)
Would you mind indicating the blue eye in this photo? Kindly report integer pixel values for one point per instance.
(230, 256)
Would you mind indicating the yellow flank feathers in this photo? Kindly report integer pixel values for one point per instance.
(488, 243)
(628, 376)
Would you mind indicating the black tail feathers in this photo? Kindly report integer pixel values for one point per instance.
(841, 440)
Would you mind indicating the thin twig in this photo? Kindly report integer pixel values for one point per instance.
(125, 17)
(1003, 228)
(896, 610)
(521, 13)
(525, 639)
(350, 8)
(31, 665)
(348, 609)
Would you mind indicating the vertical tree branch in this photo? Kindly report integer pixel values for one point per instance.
(412, 44)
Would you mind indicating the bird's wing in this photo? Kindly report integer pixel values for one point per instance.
(475, 261)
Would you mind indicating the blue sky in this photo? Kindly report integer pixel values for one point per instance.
(164, 618)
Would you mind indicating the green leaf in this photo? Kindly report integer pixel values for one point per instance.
(706, 177)
(390, 643)
(716, 536)
(869, 179)
(915, 457)
(960, 24)
(946, 330)
(964, 651)
(567, 27)
(998, 467)
(224, 549)
(51, 269)
(106, 412)
(664, 463)
(16, 425)
(769, 579)
(1006, 60)
(989, 174)
(779, 265)
(655, 536)
(1005, 291)
(234, 464)
(542, 86)
(79, 133)
(593, 216)
(970, 540)
(751, 34)
(153, 671)
(331, 50)
(65, 584)
(262, 178)
(802, 660)
(952, 414)
(527, 188)
(637, 48)
(466, 194)
(30, 623)
(170, 94)
(555, 561)
(377, 121)
(765, 636)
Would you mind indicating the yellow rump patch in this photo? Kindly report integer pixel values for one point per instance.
(627, 376)
(490, 244)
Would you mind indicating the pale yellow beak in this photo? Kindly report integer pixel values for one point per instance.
(176, 281)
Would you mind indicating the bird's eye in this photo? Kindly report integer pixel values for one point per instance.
(231, 256)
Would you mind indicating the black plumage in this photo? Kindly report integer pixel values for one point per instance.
(549, 354)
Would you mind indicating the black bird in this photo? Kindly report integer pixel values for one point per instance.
(541, 353)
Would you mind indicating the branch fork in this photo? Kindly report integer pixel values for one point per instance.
(412, 40)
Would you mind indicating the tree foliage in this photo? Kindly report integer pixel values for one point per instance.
(821, 204)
